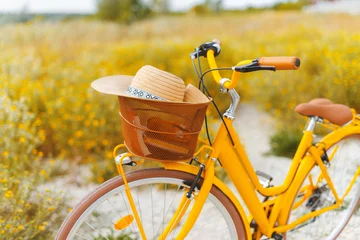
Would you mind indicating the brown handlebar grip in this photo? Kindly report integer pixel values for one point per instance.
(280, 63)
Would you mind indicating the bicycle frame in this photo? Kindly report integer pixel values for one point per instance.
(235, 161)
(242, 174)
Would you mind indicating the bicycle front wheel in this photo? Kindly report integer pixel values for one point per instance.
(315, 194)
(157, 194)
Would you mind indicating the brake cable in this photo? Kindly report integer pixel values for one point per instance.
(204, 89)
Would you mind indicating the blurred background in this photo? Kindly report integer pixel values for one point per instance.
(57, 134)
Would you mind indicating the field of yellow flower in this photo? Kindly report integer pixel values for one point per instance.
(48, 110)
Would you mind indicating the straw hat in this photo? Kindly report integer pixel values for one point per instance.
(152, 84)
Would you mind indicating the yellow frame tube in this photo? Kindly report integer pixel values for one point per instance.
(321, 165)
(230, 161)
(304, 218)
(308, 162)
(297, 173)
(200, 200)
(357, 173)
(216, 74)
(128, 193)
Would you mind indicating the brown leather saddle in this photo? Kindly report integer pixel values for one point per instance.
(335, 113)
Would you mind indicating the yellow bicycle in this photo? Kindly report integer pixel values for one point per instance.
(183, 199)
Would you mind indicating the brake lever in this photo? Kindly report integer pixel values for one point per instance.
(204, 48)
(252, 68)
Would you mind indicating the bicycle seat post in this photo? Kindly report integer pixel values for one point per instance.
(311, 124)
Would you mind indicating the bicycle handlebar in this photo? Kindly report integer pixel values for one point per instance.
(264, 63)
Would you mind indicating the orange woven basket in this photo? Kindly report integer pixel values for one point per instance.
(161, 130)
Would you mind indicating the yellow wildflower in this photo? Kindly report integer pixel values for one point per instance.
(20, 227)
(71, 142)
(8, 194)
(109, 155)
(87, 107)
(96, 123)
(5, 153)
(79, 133)
(37, 122)
(22, 139)
(42, 172)
(41, 227)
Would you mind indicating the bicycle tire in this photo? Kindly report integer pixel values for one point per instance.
(330, 225)
(140, 178)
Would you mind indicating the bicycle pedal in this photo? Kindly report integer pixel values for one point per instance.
(277, 236)
(264, 178)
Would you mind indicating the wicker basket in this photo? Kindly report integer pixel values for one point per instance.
(161, 130)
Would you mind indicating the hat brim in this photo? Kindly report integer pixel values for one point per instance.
(114, 85)
(118, 84)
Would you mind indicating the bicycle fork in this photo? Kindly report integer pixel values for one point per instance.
(197, 207)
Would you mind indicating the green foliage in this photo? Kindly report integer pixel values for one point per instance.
(18, 131)
(200, 9)
(298, 5)
(285, 142)
(26, 210)
(123, 236)
(124, 11)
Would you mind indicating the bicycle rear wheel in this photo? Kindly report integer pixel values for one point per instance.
(157, 193)
(341, 170)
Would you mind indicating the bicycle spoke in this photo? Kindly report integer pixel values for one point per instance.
(152, 209)
(207, 223)
(128, 211)
(172, 201)
(113, 208)
(137, 196)
(81, 236)
(96, 230)
(162, 224)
